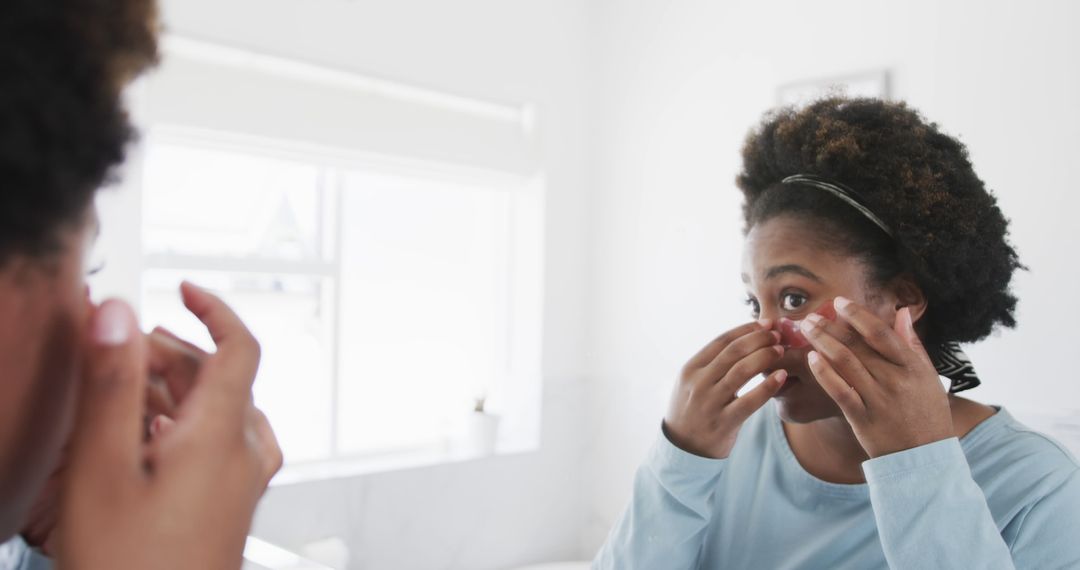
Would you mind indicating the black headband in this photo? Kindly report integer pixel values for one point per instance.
(949, 360)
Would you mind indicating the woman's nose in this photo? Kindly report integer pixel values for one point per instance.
(769, 313)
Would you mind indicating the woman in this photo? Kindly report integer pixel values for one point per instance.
(872, 249)
(74, 376)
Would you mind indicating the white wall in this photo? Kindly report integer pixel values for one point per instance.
(492, 513)
(682, 82)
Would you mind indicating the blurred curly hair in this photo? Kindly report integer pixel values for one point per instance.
(63, 128)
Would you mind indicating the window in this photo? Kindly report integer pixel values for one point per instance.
(387, 297)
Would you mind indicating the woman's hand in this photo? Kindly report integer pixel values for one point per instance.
(881, 377)
(705, 413)
(185, 498)
(173, 365)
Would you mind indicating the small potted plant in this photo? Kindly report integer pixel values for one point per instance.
(482, 430)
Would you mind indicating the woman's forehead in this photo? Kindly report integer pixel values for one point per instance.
(780, 238)
(786, 245)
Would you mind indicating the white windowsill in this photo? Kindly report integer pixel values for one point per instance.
(308, 472)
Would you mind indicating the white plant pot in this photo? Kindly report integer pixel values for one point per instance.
(481, 433)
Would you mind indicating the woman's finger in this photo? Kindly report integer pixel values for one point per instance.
(186, 344)
(158, 429)
(236, 361)
(158, 398)
(266, 444)
(176, 362)
(709, 352)
(905, 329)
(747, 368)
(744, 406)
(109, 426)
(160, 426)
(840, 356)
(851, 338)
(877, 335)
(844, 394)
(737, 350)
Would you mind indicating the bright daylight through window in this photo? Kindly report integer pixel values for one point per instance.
(385, 300)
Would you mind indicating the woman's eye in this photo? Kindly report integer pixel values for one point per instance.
(93, 258)
(792, 301)
(755, 308)
(93, 267)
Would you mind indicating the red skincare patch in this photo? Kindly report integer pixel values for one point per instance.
(791, 335)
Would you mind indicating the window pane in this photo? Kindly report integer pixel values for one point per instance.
(291, 317)
(424, 321)
(220, 203)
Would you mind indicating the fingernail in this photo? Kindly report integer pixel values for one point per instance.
(765, 323)
(810, 322)
(112, 324)
(187, 287)
(779, 349)
(813, 358)
(781, 376)
(777, 336)
(162, 331)
(841, 303)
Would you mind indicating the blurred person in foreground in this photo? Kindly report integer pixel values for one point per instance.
(118, 449)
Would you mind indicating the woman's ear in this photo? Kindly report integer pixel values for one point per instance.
(910, 295)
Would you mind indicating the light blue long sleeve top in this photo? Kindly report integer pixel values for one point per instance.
(1002, 496)
(16, 555)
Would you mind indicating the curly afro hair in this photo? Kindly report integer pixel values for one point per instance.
(63, 128)
(950, 235)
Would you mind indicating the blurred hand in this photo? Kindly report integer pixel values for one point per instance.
(705, 412)
(41, 520)
(184, 498)
(173, 365)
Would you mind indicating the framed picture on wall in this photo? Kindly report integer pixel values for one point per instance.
(875, 83)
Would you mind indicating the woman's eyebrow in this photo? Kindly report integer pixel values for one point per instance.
(791, 268)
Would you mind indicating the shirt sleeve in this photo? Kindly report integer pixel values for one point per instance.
(36, 561)
(931, 513)
(16, 555)
(664, 525)
(1049, 535)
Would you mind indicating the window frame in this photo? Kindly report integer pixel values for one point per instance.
(526, 196)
